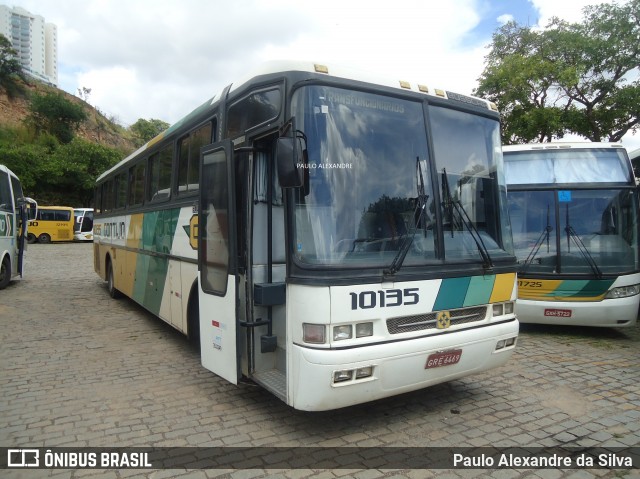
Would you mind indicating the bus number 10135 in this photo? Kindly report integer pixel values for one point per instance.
(384, 298)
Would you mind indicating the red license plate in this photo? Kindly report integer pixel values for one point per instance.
(445, 358)
(558, 313)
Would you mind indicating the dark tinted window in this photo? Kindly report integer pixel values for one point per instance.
(5, 194)
(253, 110)
(136, 184)
(121, 190)
(160, 174)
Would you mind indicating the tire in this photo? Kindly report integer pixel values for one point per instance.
(193, 320)
(113, 292)
(5, 272)
(31, 238)
(44, 238)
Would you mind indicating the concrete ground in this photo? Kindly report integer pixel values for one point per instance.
(81, 369)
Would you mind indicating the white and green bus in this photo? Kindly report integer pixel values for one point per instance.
(574, 213)
(15, 211)
(333, 238)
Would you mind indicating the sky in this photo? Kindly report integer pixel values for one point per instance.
(161, 59)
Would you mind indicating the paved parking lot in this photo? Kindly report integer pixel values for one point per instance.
(81, 369)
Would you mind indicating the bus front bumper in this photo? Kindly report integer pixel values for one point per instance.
(619, 313)
(396, 367)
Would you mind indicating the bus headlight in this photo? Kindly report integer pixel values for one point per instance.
(364, 329)
(500, 309)
(313, 333)
(342, 376)
(345, 331)
(623, 292)
(342, 332)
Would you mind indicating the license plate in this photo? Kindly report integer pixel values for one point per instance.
(445, 358)
(558, 313)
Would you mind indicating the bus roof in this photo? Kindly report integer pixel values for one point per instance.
(283, 66)
(11, 173)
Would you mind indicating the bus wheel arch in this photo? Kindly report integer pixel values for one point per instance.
(193, 317)
(5, 271)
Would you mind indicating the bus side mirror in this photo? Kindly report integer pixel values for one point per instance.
(290, 160)
(30, 206)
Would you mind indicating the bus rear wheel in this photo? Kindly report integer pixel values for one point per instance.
(31, 238)
(111, 287)
(44, 238)
(5, 272)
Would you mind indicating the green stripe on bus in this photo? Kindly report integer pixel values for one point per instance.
(480, 289)
(581, 288)
(452, 293)
(158, 231)
(594, 287)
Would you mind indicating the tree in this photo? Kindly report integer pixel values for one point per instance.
(10, 68)
(145, 130)
(579, 78)
(79, 164)
(54, 114)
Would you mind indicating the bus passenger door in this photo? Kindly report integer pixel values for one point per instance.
(217, 262)
(266, 325)
(26, 209)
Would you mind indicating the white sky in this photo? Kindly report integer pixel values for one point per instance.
(162, 58)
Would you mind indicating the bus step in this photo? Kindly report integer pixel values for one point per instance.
(273, 380)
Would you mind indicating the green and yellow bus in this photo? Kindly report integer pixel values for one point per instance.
(334, 238)
(574, 212)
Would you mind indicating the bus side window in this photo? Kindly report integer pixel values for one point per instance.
(160, 165)
(5, 195)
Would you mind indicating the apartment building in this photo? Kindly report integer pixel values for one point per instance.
(34, 40)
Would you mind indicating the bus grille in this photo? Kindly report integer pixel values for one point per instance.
(419, 322)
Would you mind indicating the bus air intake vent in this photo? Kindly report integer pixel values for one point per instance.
(420, 322)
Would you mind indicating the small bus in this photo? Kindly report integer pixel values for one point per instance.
(15, 211)
(331, 236)
(83, 224)
(53, 223)
(574, 216)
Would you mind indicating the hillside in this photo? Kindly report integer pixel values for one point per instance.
(97, 128)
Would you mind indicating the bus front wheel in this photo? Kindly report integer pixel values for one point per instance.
(5, 272)
(31, 238)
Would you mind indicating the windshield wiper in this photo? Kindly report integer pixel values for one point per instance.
(421, 206)
(571, 234)
(466, 221)
(536, 247)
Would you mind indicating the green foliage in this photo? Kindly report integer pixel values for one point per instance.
(579, 78)
(80, 163)
(55, 173)
(145, 130)
(10, 68)
(54, 114)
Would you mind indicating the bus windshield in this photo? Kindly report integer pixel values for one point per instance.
(597, 232)
(373, 197)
